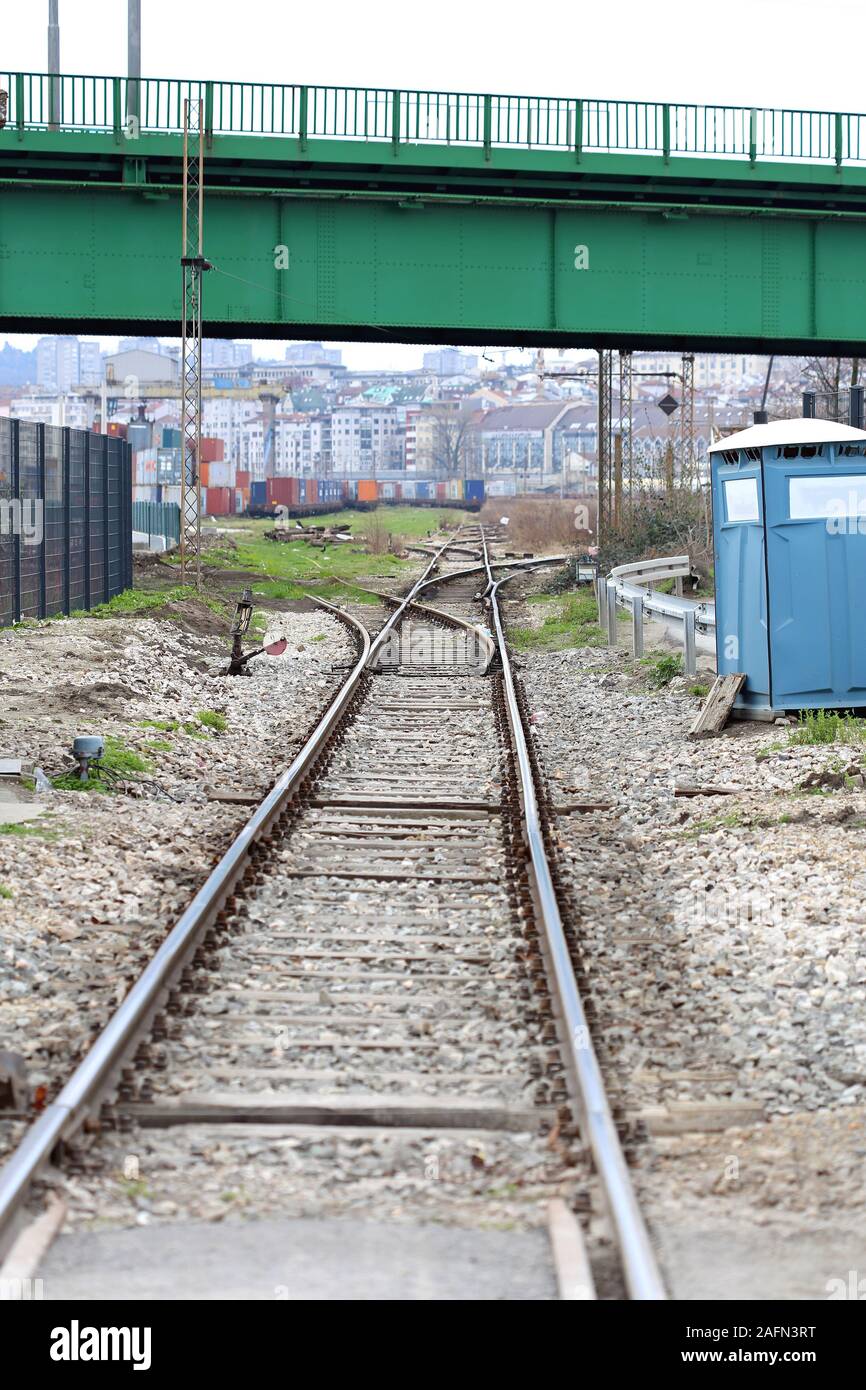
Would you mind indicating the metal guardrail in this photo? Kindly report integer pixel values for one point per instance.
(97, 103)
(686, 620)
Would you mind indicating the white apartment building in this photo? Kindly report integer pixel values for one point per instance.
(226, 419)
(73, 411)
(63, 362)
(721, 371)
(300, 445)
(366, 438)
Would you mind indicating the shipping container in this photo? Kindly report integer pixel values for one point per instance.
(389, 492)
(312, 491)
(168, 465)
(116, 428)
(441, 492)
(281, 492)
(171, 494)
(424, 490)
(212, 450)
(473, 490)
(170, 437)
(409, 490)
(242, 477)
(219, 501)
(367, 490)
(144, 468)
(144, 494)
(219, 473)
(258, 493)
(139, 435)
(242, 499)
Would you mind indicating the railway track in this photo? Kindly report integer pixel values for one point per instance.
(380, 955)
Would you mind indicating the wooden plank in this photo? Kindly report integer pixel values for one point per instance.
(573, 1271)
(233, 798)
(686, 1116)
(384, 1112)
(396, 803)
(29, 1248)
(705, 789)
(716, 709)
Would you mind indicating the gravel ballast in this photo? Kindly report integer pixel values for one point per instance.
(93, 884)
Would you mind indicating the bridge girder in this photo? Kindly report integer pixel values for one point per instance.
(86, 254)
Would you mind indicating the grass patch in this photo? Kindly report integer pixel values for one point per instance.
(212, 719)
(733, 821)
(828, 726)
(573, 622)
(661, 670)
(167, 726)
(702, 691)
(27, 830)
(159, 745)
(117, 759)
(299, 562)
(5, 892)
(134, 601)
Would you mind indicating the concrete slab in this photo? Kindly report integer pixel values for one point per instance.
(17, 804)
(307, 1259)
(787, 1261)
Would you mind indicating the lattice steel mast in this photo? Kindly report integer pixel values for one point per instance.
(193, 264)
(604, 448)
(687, 422)
(626, 414)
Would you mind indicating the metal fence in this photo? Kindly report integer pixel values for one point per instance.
(65, 519)
(157, 519)
(83, 103)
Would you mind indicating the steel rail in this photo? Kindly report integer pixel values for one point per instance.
(95, 1076)
(640, 1267)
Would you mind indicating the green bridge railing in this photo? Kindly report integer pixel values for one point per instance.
(82, 103)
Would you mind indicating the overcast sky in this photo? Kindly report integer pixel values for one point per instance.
(739, 52)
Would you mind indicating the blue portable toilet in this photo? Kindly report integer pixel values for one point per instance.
(789, 536)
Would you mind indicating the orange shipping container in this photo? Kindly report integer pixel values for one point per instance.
(212, 450)
(367, 490)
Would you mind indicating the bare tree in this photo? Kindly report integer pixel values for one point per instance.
(830, 377)
(451, 438)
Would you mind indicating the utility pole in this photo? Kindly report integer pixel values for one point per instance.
(539, 374)
(626, 412)
(193, 264)
(603, 449)
(687, 421)
(54, 109)
(133, 61)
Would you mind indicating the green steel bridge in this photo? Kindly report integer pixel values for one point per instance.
(434, 216)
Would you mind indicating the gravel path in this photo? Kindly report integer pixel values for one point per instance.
(93, 885)
(724, 936)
